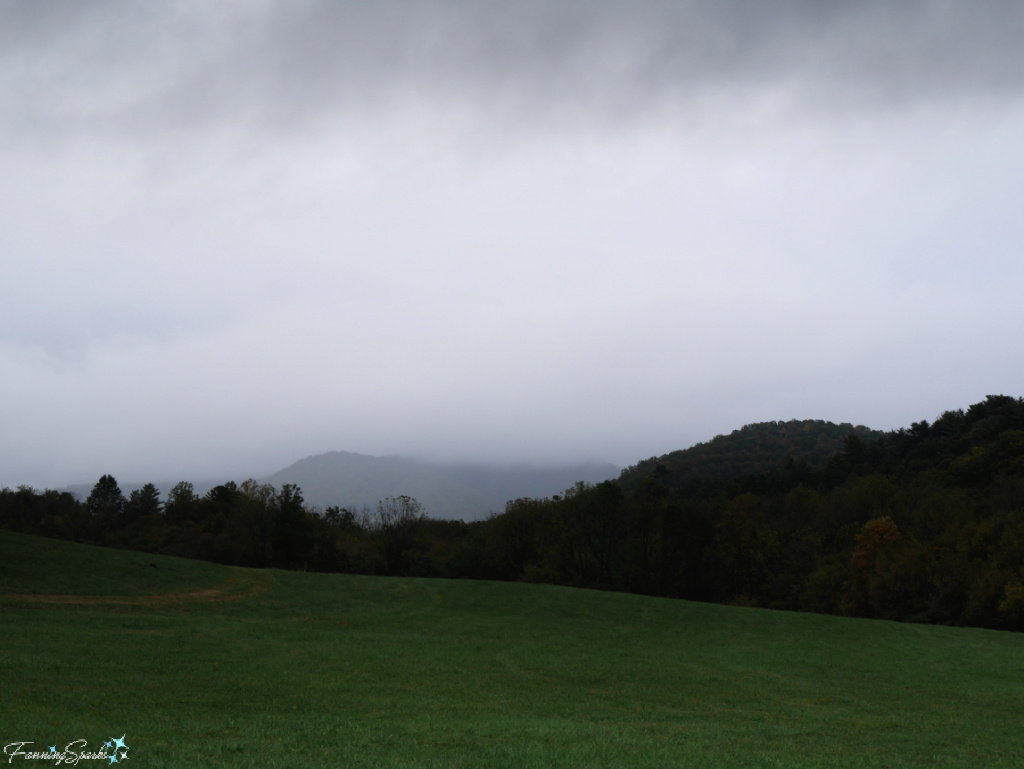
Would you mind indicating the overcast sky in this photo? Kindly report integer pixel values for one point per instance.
(237, 233)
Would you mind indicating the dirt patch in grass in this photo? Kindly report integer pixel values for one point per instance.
(240, 584)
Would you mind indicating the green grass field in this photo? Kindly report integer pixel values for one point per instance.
(203, 665)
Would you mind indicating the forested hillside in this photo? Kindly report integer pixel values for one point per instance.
(751, 450)
(923, 524)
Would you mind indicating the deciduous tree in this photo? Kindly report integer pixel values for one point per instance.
(106, 499)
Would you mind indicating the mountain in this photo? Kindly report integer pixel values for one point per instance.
(450, 491)
(351, 480)
(920, 524)
(752, 450)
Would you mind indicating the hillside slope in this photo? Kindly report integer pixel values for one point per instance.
(752, 450)
(362, 672)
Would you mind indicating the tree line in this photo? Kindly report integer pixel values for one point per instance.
(923, 524)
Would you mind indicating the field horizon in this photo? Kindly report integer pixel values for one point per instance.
(209, 665)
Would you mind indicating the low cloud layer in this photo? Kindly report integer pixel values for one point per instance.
(236, 234)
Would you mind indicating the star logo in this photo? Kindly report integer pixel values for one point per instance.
(119, 743)
(53, 748)
(113, 759)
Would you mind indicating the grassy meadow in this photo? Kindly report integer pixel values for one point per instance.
(205, 665)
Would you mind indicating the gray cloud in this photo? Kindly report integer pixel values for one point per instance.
(150, 67)
(238, 233)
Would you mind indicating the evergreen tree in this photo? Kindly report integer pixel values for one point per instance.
(181, 503)
(142, 502)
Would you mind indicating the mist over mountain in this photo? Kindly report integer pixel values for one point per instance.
(505, 482)
(464, 491)
(921, 524)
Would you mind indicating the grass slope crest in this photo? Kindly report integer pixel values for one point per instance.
(396, 673)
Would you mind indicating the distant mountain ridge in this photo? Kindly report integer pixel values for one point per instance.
(464, 491)
(469, 491)
(457, 490)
